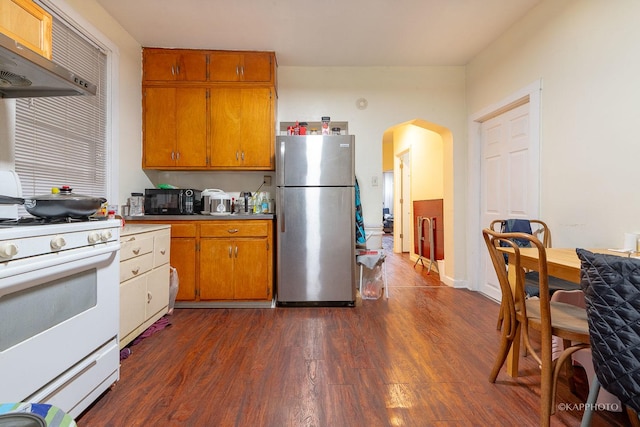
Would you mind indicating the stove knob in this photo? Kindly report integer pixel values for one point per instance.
(94, 238)
(8, 250)
(106, 235)
(58, 242)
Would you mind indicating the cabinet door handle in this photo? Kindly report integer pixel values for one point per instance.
(232, 230)
(236, 252)
(173, 70)
(178, 69)
(242, 71)
(163, 251)
(178, 155)
(149, 297)
(237, 70)
(136, 251)
(237, 155)
(242, 156)
(173, 157)
(230, 254)
(131, 239)
(135, 270)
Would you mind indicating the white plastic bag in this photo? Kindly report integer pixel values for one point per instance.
(372, 282)
(173, 288)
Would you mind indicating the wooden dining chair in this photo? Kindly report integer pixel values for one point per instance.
(520, 314)
(541, 231)
(538, 229)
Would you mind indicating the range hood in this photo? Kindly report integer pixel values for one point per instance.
(26, 74)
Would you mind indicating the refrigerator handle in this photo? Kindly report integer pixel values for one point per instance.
(281, 165)
(281, 211)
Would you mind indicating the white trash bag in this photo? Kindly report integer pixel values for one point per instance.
(173, 288)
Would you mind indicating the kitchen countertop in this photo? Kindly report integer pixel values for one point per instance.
(198, 217)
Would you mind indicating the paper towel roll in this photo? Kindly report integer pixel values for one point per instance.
(631, 241)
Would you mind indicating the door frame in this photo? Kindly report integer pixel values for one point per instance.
(406, 202)
(531, 94)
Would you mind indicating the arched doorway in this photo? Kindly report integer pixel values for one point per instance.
(429, 147)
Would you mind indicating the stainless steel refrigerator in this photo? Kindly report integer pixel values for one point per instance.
(315, 211)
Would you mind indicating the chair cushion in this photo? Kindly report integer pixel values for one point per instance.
(612, 293)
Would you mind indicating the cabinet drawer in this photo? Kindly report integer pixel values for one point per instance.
(135, 266)
(183, 230)
(235, 229)
(133, 246)
(161, 245)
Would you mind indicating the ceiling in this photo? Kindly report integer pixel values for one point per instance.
(325, 32)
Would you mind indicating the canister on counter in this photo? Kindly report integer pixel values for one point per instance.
(335, 131)
(136, 204)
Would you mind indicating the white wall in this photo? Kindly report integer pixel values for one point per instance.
(395, 95)
(587, 53)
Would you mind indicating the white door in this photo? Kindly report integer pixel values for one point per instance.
(509, 177)
(406, 202)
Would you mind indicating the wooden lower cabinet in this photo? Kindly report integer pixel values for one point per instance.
(222, 260)
(236, 260)
(184, 258)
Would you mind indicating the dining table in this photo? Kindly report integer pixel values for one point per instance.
(562, 263)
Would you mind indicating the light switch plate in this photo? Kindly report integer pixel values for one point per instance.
(374, 181)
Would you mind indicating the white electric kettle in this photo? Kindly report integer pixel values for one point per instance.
(215, 202)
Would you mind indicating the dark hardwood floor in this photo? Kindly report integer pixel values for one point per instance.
(420, 358)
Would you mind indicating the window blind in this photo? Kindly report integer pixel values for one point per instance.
(62, 140)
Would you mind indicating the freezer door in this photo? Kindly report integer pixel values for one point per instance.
(316, 244)
(315, 160)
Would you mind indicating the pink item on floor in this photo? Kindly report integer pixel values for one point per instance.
(159, 325)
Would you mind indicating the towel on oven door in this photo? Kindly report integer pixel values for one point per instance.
(52, 415)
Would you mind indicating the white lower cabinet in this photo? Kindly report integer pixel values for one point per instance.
(144, 278)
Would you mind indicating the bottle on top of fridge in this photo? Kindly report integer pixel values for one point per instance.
(325, 125)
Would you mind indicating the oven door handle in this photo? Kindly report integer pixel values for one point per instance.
(22, 270)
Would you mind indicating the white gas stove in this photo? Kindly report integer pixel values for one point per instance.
(59, 310)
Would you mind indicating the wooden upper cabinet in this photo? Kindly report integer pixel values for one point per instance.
(174, 65)
(28, 24)
(208, 109)
(242, 128)
(174, 127)
(234, 66)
